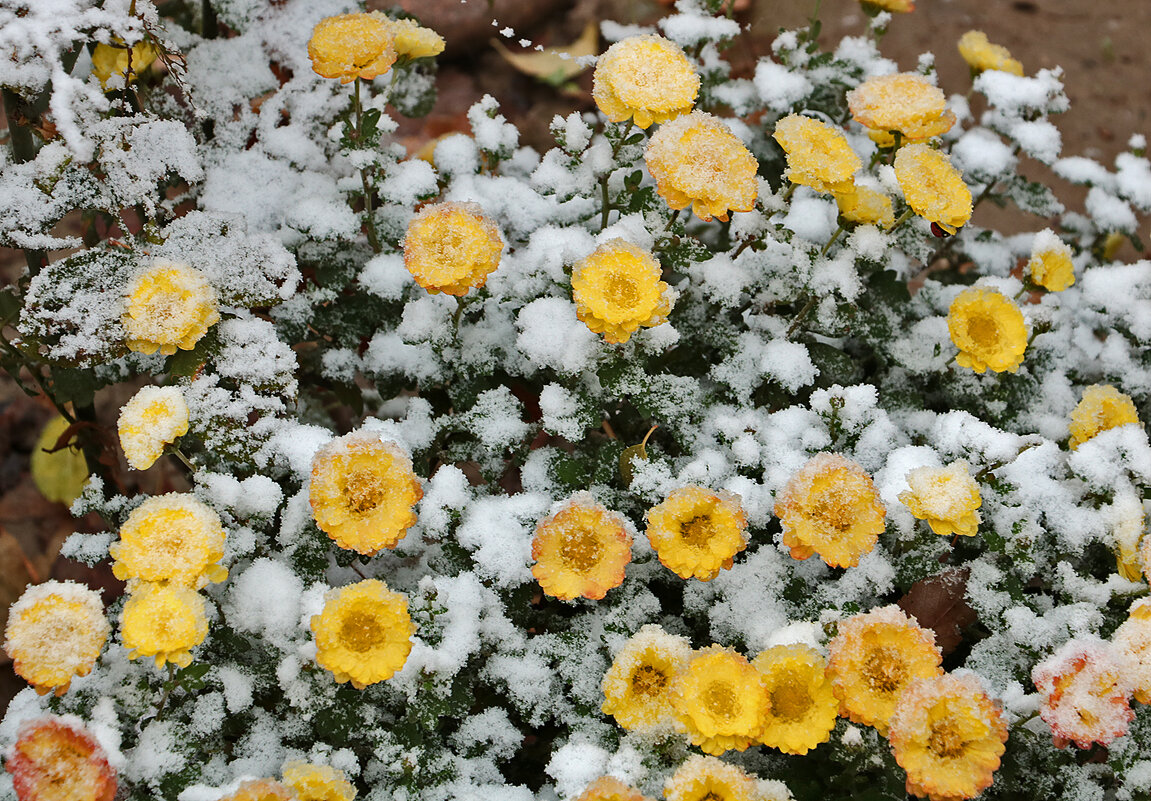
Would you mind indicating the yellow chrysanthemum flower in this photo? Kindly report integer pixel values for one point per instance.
(112, 59)
(617, 290)
(1086, 688)
(948, 735)
(54, 759)
(906, 102)
(581, 551)
(55, 631)
(350, 46)
(980, 54)
(1133, 639)
(364, 492)
(1102, 407)
(169, 306)
(609, 788)
(59, 475)
(1050, 266)
(932, 187)
(946, 497)
(697, 161)
(260, 790)
(415, 41)
(364, 633)
(802, 708)
(173, 538)
(637, 687)
(705, 778)
(988, 329)
(872, 659)
(697, 532)
(865, 206)
(647, 78)
(452, 247)
(164, 622)
(720, 701)
(317, 782)
(830, 508)
(1128, 527)
(818, 154)
(154, 418)
(896, 6)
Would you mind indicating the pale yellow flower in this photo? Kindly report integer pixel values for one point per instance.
(802, 708)
(896, 6)
(154, 418)
(988, 329)
(1102, 408)
(980, 54)
(173, 538)
(705, 778)
(364, 633)
(60, 475)
(818, 154)
(932, 187)
(55, 632)
(164, 622)
(1133, 638)
(169, 306)
(696, 532)
(946, 497)
(310, 782)
(581, 551)
(647, 78)
(865, 206)
(415, 41)
(906, 102)
(638, 686)
(617, 290)
(452, 247)
(697, 161)
(1050, 266)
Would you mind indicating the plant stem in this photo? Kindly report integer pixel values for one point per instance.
(369, 220)
(604, 179)
(171, 685)
(907, 213)
(834, 237)
(179, 454)
(799, 318)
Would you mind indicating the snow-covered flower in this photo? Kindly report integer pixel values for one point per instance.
(1086, 687)
(152, 419)
(647, 78)
(720, 701)
(112, 59)
(980, 54)
(946, 497)
(617, 290)
(364, 633)
(452, 247)
(173, 538)
(705, 777)
(350, 46)
(169, 306)
(55, 632)
(56, 759)
(638, 686)
(866, 206)
(906, 102)
(414, 40)
(1101, 408)
(260, 790)
(1050, 265)
(310, 782)
(818, 154)
(988, 329)
(802, 708)
(1133, 639)
(697, 532)
(581, 551)
(163, 622)
(932, 187)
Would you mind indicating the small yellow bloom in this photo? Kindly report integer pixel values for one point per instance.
(865, 206)
(872, 659)
(1102, 407)
(896, 6)
(830, 508)
(581, 551)
(169, 306)
(644, 77)
(364, 492)
(55, 631)
(364, 633)
(154, 418)
(173, 538)
(317, 782)
(637, 687)
(617, 290)
(608, 788)
(980, 54)
(1133, 638)
(988, 329)
(906, 102)
(818, 154)
(948, 735)
(112, 59)
(946, 497)
(54, 759)
(415, 41)
(720, 701)
(59, 475)
(932, 187)
(163, 621)
(1050, 266)
(452, 247)
(802, 707)
(696, 532)
(260, 790)
(705, 778)
(350, 46)
(697, 161)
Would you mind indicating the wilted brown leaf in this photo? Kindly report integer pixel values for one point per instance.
(939, 603)
(555, 65)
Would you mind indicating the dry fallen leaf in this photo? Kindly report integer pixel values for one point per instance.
(555, 65)
(939, 603)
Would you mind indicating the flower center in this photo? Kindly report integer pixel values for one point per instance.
(698, 531)
(720, 701)
(885, 672)
(946, 739)
(790, 702)
(360, 631)
(983, 331)
(363, 491)
(621, 292)
(579, 550)
(648, 681)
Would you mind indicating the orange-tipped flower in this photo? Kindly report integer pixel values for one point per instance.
(1086, 687)
(56, 760)
(581, 551)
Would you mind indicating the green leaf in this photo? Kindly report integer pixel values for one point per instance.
(70, 384)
